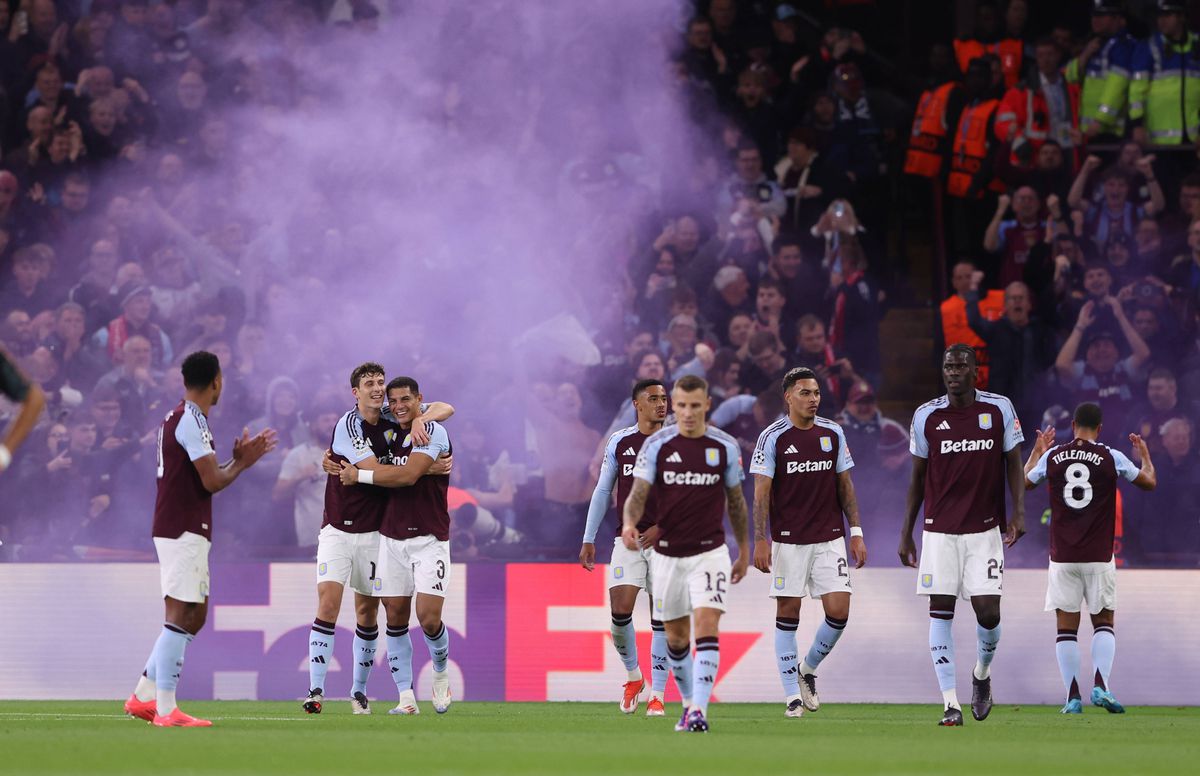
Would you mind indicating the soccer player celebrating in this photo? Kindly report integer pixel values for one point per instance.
(696, 470)
(17, 387)
(801, 469)
(964, 446)
(1083, 478)
(414, 552)
(188, 475)
(629, 570)
(348, 545)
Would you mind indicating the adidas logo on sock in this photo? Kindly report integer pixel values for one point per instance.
(318, 659)
(943, 426)
(941, 661)
(438, 587)
(674, 458)
(630, 451)
(791, 450)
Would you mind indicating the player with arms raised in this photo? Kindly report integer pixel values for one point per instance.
(628, 570)
(414, 551)
(965, 445)
(695, 471)
(801, 469)
(348, 545)
(188, 476)
(1083, 478)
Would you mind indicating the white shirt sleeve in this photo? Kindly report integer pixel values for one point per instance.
(439, 441)
(763, 460)
(734, 475)
(918, 445)
(844, 461)
(1013, 437)
(193, 435)
(348, 440)
(646, 467)
(1037, 475)
(1125, 467)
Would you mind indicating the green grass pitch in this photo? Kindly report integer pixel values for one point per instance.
(581, 738)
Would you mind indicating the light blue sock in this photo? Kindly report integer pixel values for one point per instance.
(659, 671)
(366, 642)
(941, 648)
(986, 640)
(786, 656)
(439, 648)
(1066, 649)
(708, 660)
(827, 636)
(1104, 651)
(625, 640)
(400, 651)
(320, 652)
(172, 643)
(681, 665)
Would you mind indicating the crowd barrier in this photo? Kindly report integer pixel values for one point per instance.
(537, 632)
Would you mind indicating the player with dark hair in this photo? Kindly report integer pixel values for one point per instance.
(17, 387)
(695, 470)
(414, 551)
(629, 570)
(802, 484)
(965, 446)
(1083, 475)
(348, 545)
(188, 475)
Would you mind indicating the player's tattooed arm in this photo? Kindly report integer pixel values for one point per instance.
(762, 513)
(849, 501)
(632, 511)
(916, 495)
(736, 502)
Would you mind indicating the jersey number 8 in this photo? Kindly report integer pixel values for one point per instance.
(1078, 481)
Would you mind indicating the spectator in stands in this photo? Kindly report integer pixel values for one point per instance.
(1020, 348)
(756, 113)
(741, 327)
(729, 296)
(724, 378)
(858, 308)
(834, 372)
(954, 326)
(1102, 376)
(1115, 214)
(804, 283)
(810, 180)
(1166, 530)
(871, 436)
(135, 383)
(767, 363)
(749, 182)
(1160, 404)
(27, 290)
(301, 482)
(134, 319)
(77, 365)
(769, 315)
(1013, 239)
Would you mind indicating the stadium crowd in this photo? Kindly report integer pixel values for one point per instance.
(1051, 169)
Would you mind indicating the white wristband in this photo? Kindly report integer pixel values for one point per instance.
(5, 457)
(366, 477)
(856, 530)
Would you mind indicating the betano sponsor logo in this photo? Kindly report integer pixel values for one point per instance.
(690, 478)
(967, 445)
(798, 467)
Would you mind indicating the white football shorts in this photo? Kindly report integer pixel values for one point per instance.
(1072, 584)
(183, 567)
(417, 565)
(962, 565)
(349, 559)
(798, 570)
(682, 584)
(629, 567)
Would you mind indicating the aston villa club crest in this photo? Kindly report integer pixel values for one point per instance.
(985, 420)
(712, 456)
(927, 580)
(827, 444)
(389, 436)
(618, 572)
(323, 569)
(779, 583)
(407, 440)
(378, 584)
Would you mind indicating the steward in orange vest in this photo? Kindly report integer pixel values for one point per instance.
(1045, 107)
(1009, 51)
(929, 142)
(974, 148)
